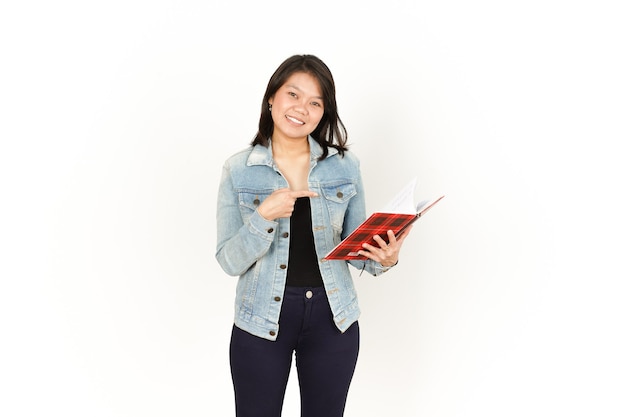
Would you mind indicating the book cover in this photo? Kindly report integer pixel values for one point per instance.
(397, 215)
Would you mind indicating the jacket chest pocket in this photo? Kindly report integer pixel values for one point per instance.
(250, 200)
(337, 196)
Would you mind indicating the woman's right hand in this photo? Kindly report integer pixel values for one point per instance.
(281, 202)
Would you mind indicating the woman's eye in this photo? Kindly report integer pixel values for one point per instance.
(292, 94)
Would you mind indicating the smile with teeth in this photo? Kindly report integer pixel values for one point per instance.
(293, 120)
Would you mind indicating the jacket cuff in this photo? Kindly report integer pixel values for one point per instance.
(260, 226)
(380, 269)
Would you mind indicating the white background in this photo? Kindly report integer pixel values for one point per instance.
(115, 119)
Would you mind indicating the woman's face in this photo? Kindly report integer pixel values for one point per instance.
(297, 107)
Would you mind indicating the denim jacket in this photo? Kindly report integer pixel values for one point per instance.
(257, 250)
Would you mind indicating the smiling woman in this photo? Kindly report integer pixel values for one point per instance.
(288, 299)
(297, 107)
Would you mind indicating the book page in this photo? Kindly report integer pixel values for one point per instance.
(421, 205)
(404, 201)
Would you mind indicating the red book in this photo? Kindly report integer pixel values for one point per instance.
(396, 216)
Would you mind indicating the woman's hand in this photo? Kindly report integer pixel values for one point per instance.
(281, 202)
(386, 253)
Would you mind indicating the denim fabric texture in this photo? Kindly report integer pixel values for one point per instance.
(257, 250)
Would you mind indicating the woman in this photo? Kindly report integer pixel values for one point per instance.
(283, 204)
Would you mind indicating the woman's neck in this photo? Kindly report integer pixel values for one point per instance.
(293, 161)
(285, 148)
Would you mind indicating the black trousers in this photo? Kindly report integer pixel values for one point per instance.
(325, 360)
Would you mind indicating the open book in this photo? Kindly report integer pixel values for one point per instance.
(397, 215)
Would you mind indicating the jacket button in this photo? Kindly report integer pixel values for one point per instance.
(270, 230)
(283, 266)
(339, 194)
(286, 234)
(272, 333)
(276, 298)
(256, 202)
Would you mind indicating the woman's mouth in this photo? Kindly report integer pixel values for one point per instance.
(294, 120)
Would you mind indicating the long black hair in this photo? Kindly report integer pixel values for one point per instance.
(330, 132)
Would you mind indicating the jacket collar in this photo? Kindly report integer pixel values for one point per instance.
(262, 155)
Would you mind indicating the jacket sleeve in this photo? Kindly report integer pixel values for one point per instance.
(239, 244)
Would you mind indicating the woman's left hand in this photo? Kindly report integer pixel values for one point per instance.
(386, 253)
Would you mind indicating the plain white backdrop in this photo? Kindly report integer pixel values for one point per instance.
(115, 118)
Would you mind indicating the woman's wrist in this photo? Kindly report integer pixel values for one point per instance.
(386, 267)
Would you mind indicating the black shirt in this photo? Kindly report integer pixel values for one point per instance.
(303, 269)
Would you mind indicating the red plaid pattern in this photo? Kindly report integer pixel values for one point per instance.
(376, 224)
